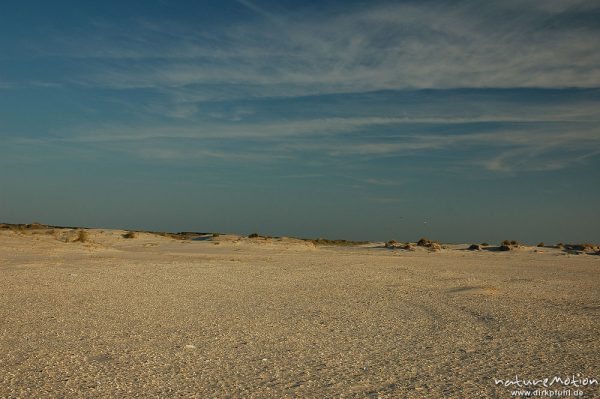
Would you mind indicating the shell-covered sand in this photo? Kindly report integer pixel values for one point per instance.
(225, 316)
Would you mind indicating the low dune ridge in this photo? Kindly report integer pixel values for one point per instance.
(101, 236)
(223, 315)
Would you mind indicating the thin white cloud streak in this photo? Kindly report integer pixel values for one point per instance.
(526, 160)
(553, 6)
(175, 153)
(271, 17)
(237, 127)
(511, 151)
(386, 200)
(6, 85)
(383, 182)
(533, 147)
(394, 46)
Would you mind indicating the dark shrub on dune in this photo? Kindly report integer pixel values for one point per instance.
(541, 244)
(36, 226)
(424, 242)
(253, 235)
(508, 245)
(342, 243)
(129, 234)
(580, 247)
(475, 247)
(427, 243)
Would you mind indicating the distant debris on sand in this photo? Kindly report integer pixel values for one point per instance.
(393, 244)
(590, 249)
(508, 245)
(23, 227)
(431, 245)
(343, 243)
(409, 246)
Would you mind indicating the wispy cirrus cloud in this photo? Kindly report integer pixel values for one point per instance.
(374, 47)
(538, 146)
(366, 49)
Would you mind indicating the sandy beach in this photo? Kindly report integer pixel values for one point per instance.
(229, 316)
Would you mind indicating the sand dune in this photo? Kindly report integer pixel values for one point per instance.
(229, 316)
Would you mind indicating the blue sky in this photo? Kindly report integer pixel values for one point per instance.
(462, 121)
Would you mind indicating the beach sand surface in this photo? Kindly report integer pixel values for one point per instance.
(216, 317)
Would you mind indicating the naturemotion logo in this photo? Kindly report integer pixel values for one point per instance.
(536, 387)
(574, 381)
